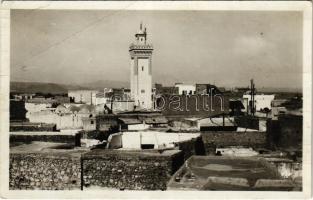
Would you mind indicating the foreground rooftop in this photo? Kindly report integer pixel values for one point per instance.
(228, 173)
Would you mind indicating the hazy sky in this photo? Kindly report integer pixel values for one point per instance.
(222, 47)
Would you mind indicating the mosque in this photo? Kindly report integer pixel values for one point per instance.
(141, 70)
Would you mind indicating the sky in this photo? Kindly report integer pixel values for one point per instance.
(226, 48)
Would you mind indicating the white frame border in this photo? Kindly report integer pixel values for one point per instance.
(303, 6)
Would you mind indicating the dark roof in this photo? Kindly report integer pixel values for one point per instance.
(130, 120)
(156, 120)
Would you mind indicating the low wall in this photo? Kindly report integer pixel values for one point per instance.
(212, 140)
(144, 170)
(44, 171)
(32, 127)
(23, 137)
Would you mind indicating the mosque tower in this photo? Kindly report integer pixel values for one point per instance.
(141, 70)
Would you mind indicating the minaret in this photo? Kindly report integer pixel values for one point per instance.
(141, 70)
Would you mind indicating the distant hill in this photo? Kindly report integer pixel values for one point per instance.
(55, 88)
(36, 87)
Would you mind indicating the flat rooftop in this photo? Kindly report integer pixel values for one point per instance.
(47, 148)
(227, 173)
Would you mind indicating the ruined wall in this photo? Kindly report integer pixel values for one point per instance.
(129, 170)
(45, 172)
(212, 140)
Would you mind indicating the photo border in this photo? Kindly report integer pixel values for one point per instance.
(304, 6)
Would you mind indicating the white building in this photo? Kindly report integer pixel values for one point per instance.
(36, 107)
(185, 88)
(155, 139)
(261, 101)
(64, 117)
(141, 70)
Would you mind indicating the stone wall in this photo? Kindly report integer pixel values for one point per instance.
(117, 169)
(44, 171)
(212, 140)
(144, 170)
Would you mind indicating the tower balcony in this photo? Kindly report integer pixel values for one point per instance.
(140, 47)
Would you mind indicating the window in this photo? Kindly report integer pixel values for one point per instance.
(91, 122)
(142, 91)
(142, 68)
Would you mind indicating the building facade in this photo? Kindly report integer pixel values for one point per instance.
(141, 70)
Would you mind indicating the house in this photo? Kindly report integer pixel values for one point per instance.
(132, 124)
(156, 121)
(89, 123)
(262, 101)
(23, 97)
(148, 139)
(36, 106)
(107, 122)
(184, 89)
(64, 117)
(121, 106)
(160, 89)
